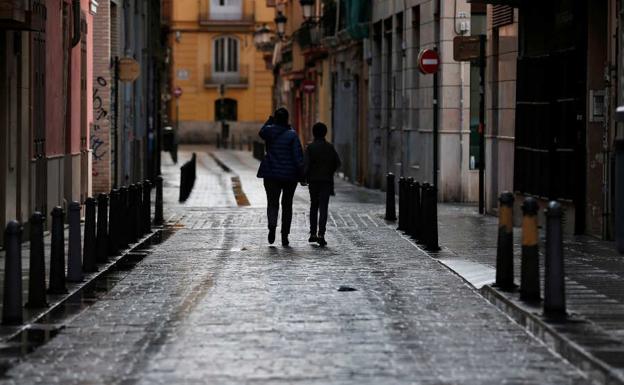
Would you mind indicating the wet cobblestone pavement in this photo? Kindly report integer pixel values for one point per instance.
(215, 304)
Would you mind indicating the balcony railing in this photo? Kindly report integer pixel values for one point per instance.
(211, 15)
(238, 79)
(309, 35)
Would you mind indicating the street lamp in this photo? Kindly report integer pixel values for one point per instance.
(308, 8)
(262, 38)
(280, 22)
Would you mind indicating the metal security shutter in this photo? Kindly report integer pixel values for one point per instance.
(38, 66)
(550, 104)
(502, 15)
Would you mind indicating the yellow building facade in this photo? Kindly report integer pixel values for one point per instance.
(221, 74)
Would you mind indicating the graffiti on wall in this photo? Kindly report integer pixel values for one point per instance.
(100, 113)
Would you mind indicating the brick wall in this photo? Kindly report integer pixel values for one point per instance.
(100, 130)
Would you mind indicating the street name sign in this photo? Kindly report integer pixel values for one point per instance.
(466, 48)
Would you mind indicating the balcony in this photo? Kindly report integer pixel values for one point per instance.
(166, 12)
(234, 15)
(309, 35)
(13, 12)
(23, 15)
(238, 79)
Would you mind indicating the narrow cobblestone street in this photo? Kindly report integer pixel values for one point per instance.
(216, 304)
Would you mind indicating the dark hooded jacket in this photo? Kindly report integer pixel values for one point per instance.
(321, 161)
(284, 156)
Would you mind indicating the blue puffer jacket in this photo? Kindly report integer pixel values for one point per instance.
(284, 157)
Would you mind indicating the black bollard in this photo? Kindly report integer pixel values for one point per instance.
(124, 218)
(147, 206)
(185, 177)
(36, 272)
(425, 206)
(390, 204)
(74, 255)
(12, 302)
(101, 243)
(554, 282)
(432, 234)
(504, 249)
(529, 264)
(218, 140)
(402, 203)
(139, 209)
(158, 206)
(415, 219)
(57, 254)
(193, 168)
(132, 205)
(114, 228)
(619, 195)
(408, 205)
(89, 258)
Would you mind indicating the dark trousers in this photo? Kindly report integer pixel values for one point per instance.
(319, 201)
(275, 188)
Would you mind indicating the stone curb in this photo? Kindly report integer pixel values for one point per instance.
(11, 332)
(528, 318)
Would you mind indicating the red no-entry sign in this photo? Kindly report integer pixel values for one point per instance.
(428, 61)
(177, 92)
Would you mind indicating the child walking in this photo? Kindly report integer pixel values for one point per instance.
(321, 162)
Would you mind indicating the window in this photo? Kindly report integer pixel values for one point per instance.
(225, 55)
(226, 9)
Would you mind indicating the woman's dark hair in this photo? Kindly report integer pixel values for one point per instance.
(319, 130)
(281, 116)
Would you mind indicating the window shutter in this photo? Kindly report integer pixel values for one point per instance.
(502, 15)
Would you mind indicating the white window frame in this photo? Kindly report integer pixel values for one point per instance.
(226, 55)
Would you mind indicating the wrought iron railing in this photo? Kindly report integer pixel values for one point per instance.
(239, 78)
(221, 15)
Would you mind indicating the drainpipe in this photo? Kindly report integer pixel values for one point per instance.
(76, 14)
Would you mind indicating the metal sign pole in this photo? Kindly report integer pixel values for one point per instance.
(435, 132)
(482, 124)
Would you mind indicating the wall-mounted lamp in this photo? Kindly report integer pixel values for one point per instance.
(280, 22)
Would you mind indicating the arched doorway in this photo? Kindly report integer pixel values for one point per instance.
(226, 109)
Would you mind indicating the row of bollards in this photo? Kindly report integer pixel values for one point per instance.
(233, 144)
(418, 210)
(112, 222)
(554, 285)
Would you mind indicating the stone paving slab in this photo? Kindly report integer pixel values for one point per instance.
(219, 306)
(215, 304)
(31, 315)
(594, 280)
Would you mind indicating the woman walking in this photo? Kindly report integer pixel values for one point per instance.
(281, 168)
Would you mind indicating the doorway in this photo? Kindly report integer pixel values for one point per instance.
(550, 104)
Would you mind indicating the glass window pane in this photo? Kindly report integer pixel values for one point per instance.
(235, 52)
(219, 55)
